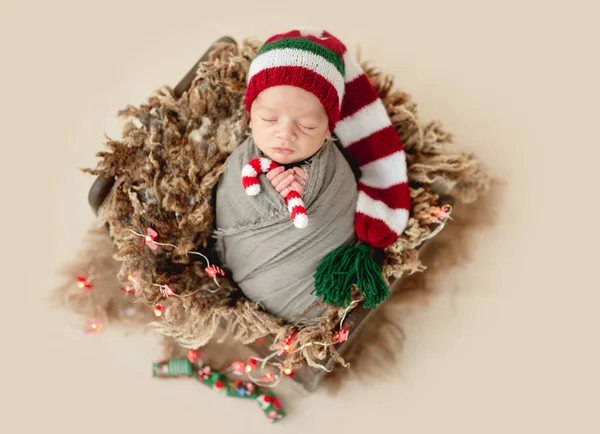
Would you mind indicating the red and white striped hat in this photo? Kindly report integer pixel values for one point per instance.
(319, 63)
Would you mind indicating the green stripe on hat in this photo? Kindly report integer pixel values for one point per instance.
(306, 45)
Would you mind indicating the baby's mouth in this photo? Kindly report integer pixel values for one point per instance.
(283, 150)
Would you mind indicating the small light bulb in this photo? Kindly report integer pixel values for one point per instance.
(158, 310)
(192, 355)
(93, 327)
(269, 377)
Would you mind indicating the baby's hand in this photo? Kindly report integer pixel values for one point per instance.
(286, 181)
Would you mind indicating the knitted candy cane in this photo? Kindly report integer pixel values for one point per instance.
(293, 200)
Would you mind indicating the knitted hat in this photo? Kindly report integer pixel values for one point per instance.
(319, 63)
(313, 63)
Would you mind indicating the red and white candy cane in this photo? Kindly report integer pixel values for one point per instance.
(251, 184)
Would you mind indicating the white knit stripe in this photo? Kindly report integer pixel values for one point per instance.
(395, 219)
(248, 170)
(385, 172)
(353, 68)
(296, 57)
(265, 163)
(294, 202)
(311, 31)
(363, 123)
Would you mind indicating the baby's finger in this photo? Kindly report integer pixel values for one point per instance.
(299, 171)
(300, 181)
(271, 174)
(282, 177)
(297, 186)
(285, 192)
(284, 184)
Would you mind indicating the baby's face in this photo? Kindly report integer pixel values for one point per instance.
(288, 124)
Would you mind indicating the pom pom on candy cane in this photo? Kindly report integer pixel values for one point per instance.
(251, 184)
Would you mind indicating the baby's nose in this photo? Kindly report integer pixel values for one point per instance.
(286, 132)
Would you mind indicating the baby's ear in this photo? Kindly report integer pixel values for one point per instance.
(328, 135)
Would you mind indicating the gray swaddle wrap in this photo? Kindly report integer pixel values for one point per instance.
(271, 260)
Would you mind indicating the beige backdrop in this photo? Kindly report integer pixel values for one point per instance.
(511, 343)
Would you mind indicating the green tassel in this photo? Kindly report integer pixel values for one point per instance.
(347, 266)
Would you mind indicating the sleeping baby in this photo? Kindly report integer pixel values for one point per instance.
(290, 212)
